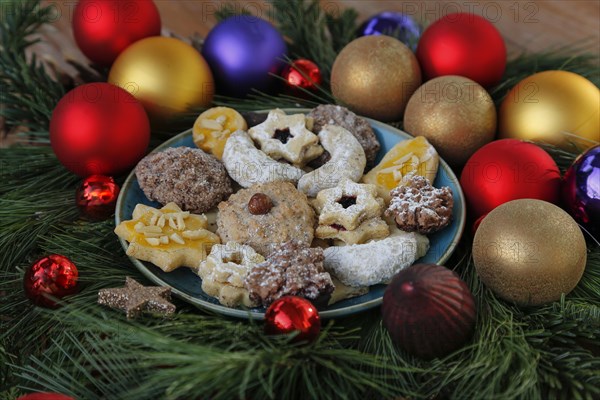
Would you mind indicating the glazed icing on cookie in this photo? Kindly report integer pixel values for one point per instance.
(247, 165)
(347, 161)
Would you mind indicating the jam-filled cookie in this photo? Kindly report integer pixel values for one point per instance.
(287, 137)
(266, 215)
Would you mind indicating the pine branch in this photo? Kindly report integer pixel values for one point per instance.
(28, 93)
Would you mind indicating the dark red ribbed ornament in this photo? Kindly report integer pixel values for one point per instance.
(429, 311)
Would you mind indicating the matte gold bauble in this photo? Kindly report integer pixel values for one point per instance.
(375, 76)
(455, 114)
(529, 252)
(168, 76)
(557, 107)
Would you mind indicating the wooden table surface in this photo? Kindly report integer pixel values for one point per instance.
(525, 25)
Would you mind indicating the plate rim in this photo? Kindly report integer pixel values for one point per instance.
(248, 314)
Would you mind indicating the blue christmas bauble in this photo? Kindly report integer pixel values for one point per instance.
(242, 51)
(401, 26)
(581, 190)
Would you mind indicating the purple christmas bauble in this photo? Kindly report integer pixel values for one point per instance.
(581, 190)
(396, 24)
(242, 51)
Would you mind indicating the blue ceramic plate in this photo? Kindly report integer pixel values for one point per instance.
(187, 285)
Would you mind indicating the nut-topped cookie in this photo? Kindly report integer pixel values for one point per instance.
(167, 237)
(265, 215)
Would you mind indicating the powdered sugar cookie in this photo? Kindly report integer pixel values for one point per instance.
(247, 165)
(377, 261)
(224, 271)
(286, 137)
(347, 161)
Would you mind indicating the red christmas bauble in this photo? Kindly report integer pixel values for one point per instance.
(289, 314)
(104, 28)
(428, 310)
(45, 396)
(53, 275)
(99, 128)
(96, 197)
(303, 74)
(463, 44)
(506, 170)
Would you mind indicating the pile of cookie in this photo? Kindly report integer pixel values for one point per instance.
(285, 207)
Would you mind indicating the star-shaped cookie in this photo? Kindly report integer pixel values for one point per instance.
(286, 137)
(167, 237)
(136, 299)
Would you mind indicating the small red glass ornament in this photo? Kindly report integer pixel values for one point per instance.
(303, 74)
(463, 44)
(289, 314)
(96, 197)
(45, 396)
(53, 275)
(429, 311)
(99, 128)
(505, 170)
(104, 28)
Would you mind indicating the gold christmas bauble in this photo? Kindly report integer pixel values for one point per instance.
(455, 114)
(557, 107)
(169, 77)
(375, 76)
(529, 252)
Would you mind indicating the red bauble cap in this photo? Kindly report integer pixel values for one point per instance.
(505, 170)
(289, 314)
(463, 44)
(104, 28)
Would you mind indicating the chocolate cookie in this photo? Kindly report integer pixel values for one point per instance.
(292, 269)
(192, 179)
(330, 114)
(419, 207)
(279, 214)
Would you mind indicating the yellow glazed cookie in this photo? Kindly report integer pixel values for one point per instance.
(224, 271)
(169, 238)
(214, 126)
(415, 155)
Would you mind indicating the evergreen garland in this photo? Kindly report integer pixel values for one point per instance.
(89, 352)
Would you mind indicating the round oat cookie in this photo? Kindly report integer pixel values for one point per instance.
(192, 179)
(290, 217)
(331, 114)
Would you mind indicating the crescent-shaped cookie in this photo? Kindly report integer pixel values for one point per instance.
(347, 161)
(377, 261)
(248, 166)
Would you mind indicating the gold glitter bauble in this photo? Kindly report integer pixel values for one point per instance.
(529, 252)
(169, 77)
(557, 107)
(375, 76)
(455, 114)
